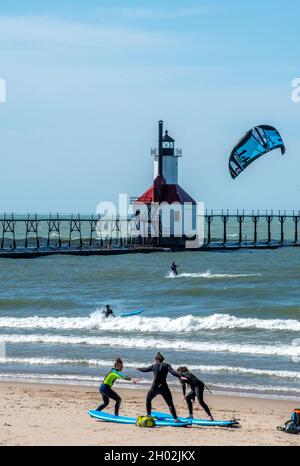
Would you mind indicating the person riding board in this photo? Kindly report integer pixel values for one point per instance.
(159, 385)
(174, 268)
(108, 311)
(106, 390)
(197, 390)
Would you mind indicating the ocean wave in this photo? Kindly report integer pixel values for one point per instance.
(210, 275)
(255, 388)
(176, 345)
(142, 383)
(19, 302)
(247, 371)
(184, 324)
(25, 376)
(65, 378)
(45, 361)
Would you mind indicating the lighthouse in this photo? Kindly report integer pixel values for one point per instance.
(165, 190)
(167, 164)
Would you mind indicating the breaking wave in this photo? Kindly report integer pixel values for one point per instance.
(176, 345)
(183, 324)
(210, 275)
(44, 361)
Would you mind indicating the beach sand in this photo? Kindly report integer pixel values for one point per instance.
(35, 414)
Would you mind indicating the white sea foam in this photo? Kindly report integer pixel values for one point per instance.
(256, 388)
(44, 361)
(210, 275)
(71, 377)
(176, 345)
(92, 380)
(183, 324)
(64, 378)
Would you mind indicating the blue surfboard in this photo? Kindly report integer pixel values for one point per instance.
(131, 313)
(132, 420)
(199, 422)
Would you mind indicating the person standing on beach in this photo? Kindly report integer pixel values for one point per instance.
(106, 390)
(197, 390)
(159, 385)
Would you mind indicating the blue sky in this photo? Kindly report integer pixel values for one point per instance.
(87, 82)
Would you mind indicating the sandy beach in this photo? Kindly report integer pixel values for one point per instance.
(34, 414)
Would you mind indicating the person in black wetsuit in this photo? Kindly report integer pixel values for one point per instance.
(159, 385)
(174, 268)
(197, 390)
(108, 311)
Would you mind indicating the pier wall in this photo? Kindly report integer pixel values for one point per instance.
(34, 235)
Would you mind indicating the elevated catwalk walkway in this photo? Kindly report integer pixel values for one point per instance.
(33, 235)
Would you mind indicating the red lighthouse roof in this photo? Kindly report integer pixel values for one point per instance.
(153, 193)
(162, 192)
(174, 193)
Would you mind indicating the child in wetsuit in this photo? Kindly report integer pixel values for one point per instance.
(106, 387)
(197, 390)
(159, 385)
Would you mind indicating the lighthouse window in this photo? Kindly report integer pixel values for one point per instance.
(168, 145)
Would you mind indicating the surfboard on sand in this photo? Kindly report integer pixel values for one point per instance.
(199, 422)
(132, 420)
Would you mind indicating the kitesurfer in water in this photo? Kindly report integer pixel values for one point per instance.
(159, 385)
(174, 268)
(197, 390)
(106, 390)
(108, 311)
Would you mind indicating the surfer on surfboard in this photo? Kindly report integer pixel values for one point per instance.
(108, 312)
(159, 385)
(174, 268)
(106, 390)
(197, 390)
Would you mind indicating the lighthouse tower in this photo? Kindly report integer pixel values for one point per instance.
(165, 188)
(169, 168)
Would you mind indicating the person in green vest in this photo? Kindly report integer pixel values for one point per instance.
(106, 390)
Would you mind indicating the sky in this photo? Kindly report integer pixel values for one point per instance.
(87, 82)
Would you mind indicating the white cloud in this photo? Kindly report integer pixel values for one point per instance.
(39, 31)
(162, 14)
